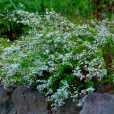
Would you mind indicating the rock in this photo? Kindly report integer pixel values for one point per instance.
(68, 108)
(96, 103)
(7, 105)
(107, 108)
(100, 89)
(29, 101)
(23, 100)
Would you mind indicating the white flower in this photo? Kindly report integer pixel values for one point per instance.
(81, 101)
(47, 51)
(90, 89)
(60, 56)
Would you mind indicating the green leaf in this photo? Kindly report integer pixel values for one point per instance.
(89, 83)
(9, 6)
(31, 5)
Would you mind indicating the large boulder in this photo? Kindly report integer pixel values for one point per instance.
(96, 103)
(7, 105)
(107, 108)
(29, 101)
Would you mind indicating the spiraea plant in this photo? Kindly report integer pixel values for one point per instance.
(59, 58)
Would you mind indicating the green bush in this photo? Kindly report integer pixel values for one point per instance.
(58, 57)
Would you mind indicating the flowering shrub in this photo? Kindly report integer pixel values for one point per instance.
(58, 57)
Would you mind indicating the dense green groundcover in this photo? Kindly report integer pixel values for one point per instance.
(58, 57)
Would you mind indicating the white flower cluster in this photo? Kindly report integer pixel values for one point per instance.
(61, 94)
(47, 50)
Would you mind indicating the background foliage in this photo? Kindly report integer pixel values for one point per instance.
(9, 28)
